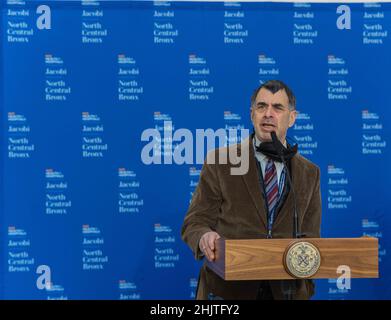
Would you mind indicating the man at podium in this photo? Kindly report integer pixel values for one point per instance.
(264, 202)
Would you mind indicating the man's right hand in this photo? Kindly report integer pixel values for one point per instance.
(207, 244)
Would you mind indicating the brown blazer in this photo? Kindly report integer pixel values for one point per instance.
(234, 207)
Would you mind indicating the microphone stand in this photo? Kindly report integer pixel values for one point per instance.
(279, 148)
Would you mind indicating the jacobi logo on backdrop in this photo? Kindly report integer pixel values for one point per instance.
(45, 17)
(343, 20)
(179, 146)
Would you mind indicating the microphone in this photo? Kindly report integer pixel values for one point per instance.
(280, 151)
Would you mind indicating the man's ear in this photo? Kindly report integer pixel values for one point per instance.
(292, 118)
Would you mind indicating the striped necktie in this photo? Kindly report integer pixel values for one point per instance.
(271, 185)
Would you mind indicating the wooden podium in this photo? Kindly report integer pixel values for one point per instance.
(263, 259)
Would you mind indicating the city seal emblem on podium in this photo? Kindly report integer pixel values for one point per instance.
(302, 259)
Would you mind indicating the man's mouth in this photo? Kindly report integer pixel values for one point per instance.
(268, 126)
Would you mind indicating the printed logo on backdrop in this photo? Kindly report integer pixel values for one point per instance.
(200, 88)
(128, 290)
(93, 29)
(335, 293)
(267, 68)
(373, 142)
(374, 27)
(235, 31)
(193, 283)
(163, 140)
(19, 22)
(339, 287)
(303, 134)
(129, 84)
(57, 201)
(21, 18)
(304, 28)
(189, 149)
(93, 255)
(338, 195)
(164, 27)
(129, 199)
(18, 253)
(194, 176)
(56, 87)
(233, 123)
(165, 256)
(371, 227)
(44, 282)
(338, 87)
(92, 140)
(181, 147)
(55, 292)
(19, 141)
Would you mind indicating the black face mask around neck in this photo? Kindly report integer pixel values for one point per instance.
(269, 149)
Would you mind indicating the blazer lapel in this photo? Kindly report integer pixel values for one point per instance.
(251, 179)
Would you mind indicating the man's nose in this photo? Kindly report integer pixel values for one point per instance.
(269, 111)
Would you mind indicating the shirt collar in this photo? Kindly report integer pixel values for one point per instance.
(256, 143)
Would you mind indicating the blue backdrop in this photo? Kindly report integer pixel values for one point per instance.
(75, 98)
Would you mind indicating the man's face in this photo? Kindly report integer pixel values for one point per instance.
(271, 112)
